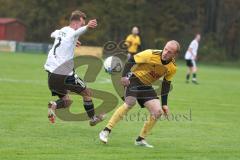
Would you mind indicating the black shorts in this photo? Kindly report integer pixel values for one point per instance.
(142, 92)
(189, 62)
(60, 85)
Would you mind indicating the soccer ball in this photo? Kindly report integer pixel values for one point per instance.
(113, 64)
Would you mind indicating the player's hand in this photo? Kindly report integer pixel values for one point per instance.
(127, 43)
(78, 44)
(92, 23)
(125, 81)
(165, 110)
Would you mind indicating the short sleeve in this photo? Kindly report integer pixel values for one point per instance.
(170, 73)
(193, 45)
(139, 40)
(128, 40)
(54, 34)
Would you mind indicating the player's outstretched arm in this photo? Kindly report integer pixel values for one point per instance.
(80, 31)
(164, 95)
(127, 68)
(91, 24)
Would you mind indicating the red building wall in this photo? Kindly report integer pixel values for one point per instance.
(12, 30)
(2, 31)
(15, 31)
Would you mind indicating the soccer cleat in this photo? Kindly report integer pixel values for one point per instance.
(103, 136)
(143, 143)
(51, 111)
(96, 119)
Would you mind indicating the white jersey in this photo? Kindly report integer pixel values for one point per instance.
(60, 57)
(194, 47)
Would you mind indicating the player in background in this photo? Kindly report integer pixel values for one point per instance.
(191, 57)
(133, 41)
(139, 73)
(60, 67)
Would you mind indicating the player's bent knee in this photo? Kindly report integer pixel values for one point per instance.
(63, 103)
(86, 93)
(68, 103)
(66, 97)
(130, 102)
(157, 113)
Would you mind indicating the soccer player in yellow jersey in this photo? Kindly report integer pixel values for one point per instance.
(139, 73)
(133, 41)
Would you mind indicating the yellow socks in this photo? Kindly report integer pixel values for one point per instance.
(148, 126)
(117, 116)
(121, 111)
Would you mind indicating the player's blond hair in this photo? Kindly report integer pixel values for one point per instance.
(76, 15)
(177, 45)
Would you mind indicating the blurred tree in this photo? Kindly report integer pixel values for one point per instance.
(159, 20)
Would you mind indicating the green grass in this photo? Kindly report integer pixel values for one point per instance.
(212, 133)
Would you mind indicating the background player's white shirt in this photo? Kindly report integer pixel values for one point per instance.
(194, 46)
(60, 57)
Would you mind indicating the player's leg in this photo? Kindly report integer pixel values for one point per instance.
(89, 107)
(189, 71)
(194, 72)
(64, 101)
(121, 111)
(56, 86)
(116, 117)
(155, 110)
(75, 84)
(129, 101)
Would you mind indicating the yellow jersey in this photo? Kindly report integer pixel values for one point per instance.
(133, 41)
(149, 67)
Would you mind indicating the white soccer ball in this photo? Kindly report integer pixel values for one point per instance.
(113, 64)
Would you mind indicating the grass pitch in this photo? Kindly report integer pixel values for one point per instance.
(204, 123)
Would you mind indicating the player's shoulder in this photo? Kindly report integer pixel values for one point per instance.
(146, 51)
(144, 54)
(173, 66)
(64, 28)
(194, 42)
(151, 52)
(67, 29)
(55, 32)
(156, 51)
(130, 36)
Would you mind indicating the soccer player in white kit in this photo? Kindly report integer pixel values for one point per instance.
(60, 68)
(190, 57)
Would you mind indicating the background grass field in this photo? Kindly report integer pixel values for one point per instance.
(212, 131)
